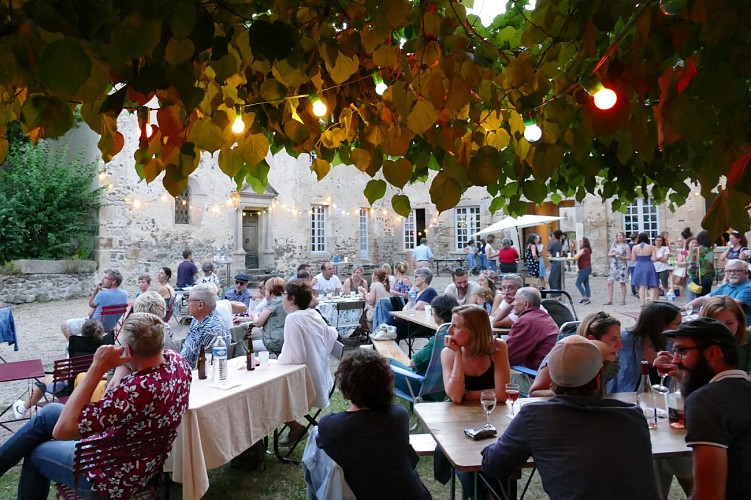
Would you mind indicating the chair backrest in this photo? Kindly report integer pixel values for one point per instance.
(110, 315)
(107, 453)
(82, 346)
(559, 312)
(170, 308)
(65, 370)
(323, 476)
(567, 329)
(432, 386)
(238, 337)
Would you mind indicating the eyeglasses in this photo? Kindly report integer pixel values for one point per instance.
(195, 300)
(681, 352)
(734, 271)
(241, 282)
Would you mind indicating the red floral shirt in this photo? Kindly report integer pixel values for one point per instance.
(152, 400)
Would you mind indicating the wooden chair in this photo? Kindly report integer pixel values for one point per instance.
(112, 452)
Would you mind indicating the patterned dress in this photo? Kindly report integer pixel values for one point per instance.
(618, 267)
(533, 264)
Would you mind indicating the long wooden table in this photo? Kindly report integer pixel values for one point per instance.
(220, 424)
(446, 423)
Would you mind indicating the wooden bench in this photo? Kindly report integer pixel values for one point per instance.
(390, 349)
(424, 444)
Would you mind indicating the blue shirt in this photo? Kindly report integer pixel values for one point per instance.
(740, 292)
(203, 333)
(422, 252)
(243, 297)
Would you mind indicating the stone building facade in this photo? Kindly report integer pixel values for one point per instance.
(298, 219)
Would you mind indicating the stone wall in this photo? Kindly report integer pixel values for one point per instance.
(43, 281)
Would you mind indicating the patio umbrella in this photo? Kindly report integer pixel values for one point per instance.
(518, 223)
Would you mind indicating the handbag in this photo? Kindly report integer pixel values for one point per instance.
(384, 332)
(695, 287)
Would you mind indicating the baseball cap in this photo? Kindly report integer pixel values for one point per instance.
(242, 277)
(706, 329)
(574, 362)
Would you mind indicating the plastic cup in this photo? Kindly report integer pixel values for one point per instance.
(263, 358)
(428, 311)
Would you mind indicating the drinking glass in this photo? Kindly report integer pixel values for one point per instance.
(512, 394)
(663, 365)
(689, 309)
(488, 400)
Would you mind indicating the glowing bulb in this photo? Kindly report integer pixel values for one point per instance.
(136, 204)
(238, 126)
(319, 107)
(532, 132)
(605, 98)
(380, 86)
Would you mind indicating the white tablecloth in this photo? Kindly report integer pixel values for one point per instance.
(221, 424)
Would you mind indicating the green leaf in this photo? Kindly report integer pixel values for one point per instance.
(445, 192)
(183, 19)
(230, 161)
(374, 190)
(253, 148)
(207, 135)
(536, 191)
(64, 67)
(397, 173)
(178, 51)
(401, 205)
(361, 159)
(52, 116)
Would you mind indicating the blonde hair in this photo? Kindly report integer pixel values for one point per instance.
(476, 321)
(143, 333)
(713, 306)
(150, 302)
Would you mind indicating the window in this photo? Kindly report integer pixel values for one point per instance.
(364, 242)
(642, 217)
(466, 225)
(182, 207)
(318, 228)
(413, 228)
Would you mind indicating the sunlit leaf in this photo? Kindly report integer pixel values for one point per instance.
(207, 135)
(422, 117)
(321, 167)
(253, 148)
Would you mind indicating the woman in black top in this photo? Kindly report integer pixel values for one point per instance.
(370, 441)
(473, 361)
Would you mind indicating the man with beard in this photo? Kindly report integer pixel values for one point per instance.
(738, 287)
(717, 408)
(461, 288)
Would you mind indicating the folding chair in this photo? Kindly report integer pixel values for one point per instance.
(112, 453)
(19, 370)
(417, 388)
(110, 318)
(312, 419)
(66, 370)
(170, 308)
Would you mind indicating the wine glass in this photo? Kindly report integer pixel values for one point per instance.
(488, 400)
(663, 365)
(512, 394)
(689, 309)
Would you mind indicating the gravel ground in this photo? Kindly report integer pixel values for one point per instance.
(38, 327)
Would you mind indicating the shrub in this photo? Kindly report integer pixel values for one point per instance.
(48, 204)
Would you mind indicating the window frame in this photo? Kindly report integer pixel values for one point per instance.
(466, 232)
(317, 228)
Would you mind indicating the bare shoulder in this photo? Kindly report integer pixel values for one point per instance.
(499, 347)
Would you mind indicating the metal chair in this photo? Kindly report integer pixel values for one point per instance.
(111, 454)
(312, 417)
(416, 388)
(110, 317)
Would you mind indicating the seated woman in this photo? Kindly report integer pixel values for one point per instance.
(483, 297)
(88, 342)
(380, 289)
(308, 340)
(425, 295)
(473, 361)
(373, 423)
(644, 341)
(210, 277)
(355, 282)
(487, 279)
(729, 312)
(599, 326)
(441, 308)
(271, 319)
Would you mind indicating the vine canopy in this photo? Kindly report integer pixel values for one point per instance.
(456, 100)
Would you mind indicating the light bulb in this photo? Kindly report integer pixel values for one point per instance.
(238, 126)
(380, 86)
(319, 107)
(605, 98)
(532, 132)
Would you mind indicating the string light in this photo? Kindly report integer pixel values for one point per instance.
(238, 126)
(380, 86)
(319, 107)
(604, 97)
(532, 131)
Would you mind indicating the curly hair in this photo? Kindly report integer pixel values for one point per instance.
(300, 293)
(366, 379)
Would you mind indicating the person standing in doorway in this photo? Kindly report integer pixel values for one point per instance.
(423, 255)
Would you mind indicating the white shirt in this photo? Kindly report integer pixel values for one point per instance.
(454, 292)
(224, 309)
(322, 284)
(309, 340)
(659, 265)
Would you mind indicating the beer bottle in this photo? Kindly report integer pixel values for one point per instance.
(202, 364)
(250, 358)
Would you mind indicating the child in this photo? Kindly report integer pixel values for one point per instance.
(144, 282)
(482, 297)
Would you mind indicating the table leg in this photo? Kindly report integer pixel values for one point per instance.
(452, 484)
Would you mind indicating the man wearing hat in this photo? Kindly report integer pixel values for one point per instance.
(583, 445)
(717, 408)
(241, 292)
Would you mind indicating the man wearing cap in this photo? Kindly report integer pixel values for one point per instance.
(717, 408)
(583, 445)
(738, 287)
(240, 292)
